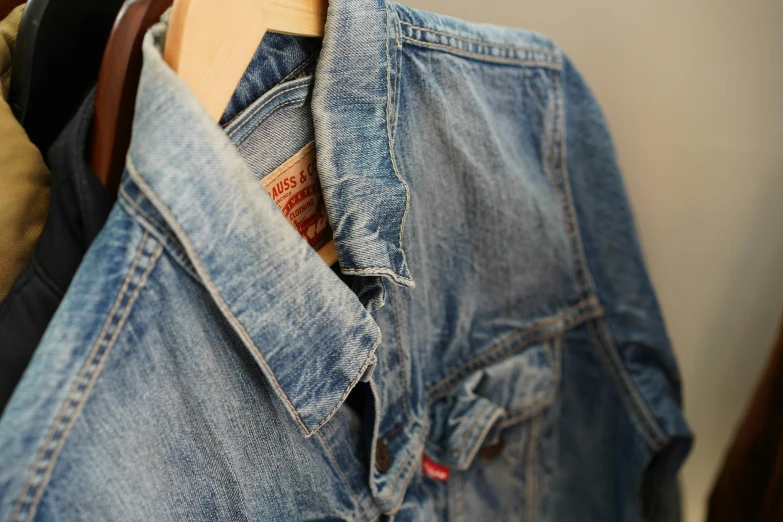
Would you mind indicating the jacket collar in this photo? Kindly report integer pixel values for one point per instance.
(352, 109)
(308, 332)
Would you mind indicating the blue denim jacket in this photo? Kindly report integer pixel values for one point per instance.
(491, 318)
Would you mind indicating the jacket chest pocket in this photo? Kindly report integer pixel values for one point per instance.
(496, 431)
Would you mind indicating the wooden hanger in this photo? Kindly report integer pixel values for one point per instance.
(115, 95)
(210, 43)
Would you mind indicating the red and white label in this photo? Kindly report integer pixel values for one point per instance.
(435, 471)
(296, 189)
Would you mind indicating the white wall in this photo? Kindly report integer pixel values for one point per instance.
(693, 92)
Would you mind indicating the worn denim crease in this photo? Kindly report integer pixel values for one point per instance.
(224, 308)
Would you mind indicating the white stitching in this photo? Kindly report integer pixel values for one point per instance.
(296, 70)
(484, 57)
(582, 309)
(392, 157)
(248, 117)
(568, 200)
(180, 257)
(374, 270)
(363, 510)
(649, 428)
(403, 377)
(76, 408)
(480, 42)
(221, 304)
(282, 105)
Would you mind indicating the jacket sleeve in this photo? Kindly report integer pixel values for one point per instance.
(632, 326)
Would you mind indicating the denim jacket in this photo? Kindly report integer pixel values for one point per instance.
(489, 348)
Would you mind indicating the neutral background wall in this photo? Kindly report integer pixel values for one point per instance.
(693, 91)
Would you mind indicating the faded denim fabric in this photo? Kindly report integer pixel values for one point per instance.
(491, 310)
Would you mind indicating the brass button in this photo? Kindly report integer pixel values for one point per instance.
(383, 458)
(492, 451)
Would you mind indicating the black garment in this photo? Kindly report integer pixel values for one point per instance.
(78, 208)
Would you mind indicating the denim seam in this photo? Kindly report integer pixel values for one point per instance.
(465, 437)
(415, 456)
(372, 514)
(397, 68)
(483, 57)
(469, 433)
(625, 387)
(141, 266)
(248, 117)
(155, 228)
(542, 490)
(482, 435)
(335, 463)
(419, 443)
(403, 378)
(563, 184)
(286, 77)
(583, 277)
(272, 112)
(159, 235)
(558, 162)
(463, 510)
(375, 270)
(239, 328)
(407, 467)
(527, 412)
(533, 409)
(581, 310)
(606, 348)
(588, 314)
(555, 154)
(537, 407)
(530, 472)
(554, 56)
(555, 455)
(392, 153)
(296, 70)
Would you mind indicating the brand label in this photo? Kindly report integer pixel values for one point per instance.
(434, 471)
(296, 189)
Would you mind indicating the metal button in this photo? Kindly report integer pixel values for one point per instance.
(492, 451)
(383, 458)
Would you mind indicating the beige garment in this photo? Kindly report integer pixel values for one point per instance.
(9, 26)
(24, 178)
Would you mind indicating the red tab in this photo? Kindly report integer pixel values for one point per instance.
(435, 471)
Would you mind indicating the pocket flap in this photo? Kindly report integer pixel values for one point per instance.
(499, 395)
